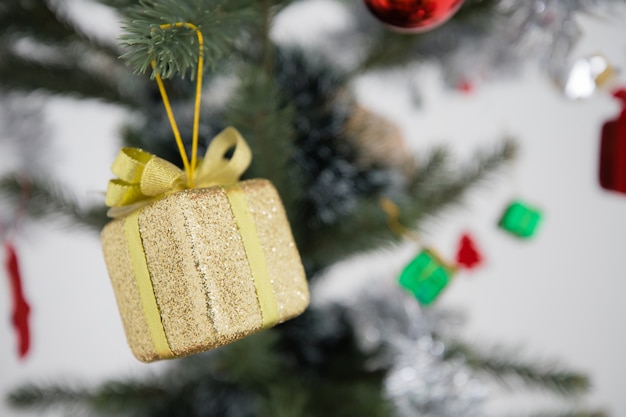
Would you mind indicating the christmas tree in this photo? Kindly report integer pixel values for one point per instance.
(348, 182)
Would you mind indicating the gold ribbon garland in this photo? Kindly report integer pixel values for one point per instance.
(393, 222)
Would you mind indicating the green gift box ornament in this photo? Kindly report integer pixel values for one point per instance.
(520, 220)
(426, 276)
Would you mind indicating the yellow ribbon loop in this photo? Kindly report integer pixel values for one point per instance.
(393, 222)
(160, 177)
(129, 164)
(143, 177)
(215, 169)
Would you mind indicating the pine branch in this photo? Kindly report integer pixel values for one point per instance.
(388, 49)
(435, 186)
(118, 4)
(268, 46)
(121, 397)
(112, 397)
(430, 172)
(47, 200)
(439, 185)
(36, 396)
(281, 4)
(41, 51)
(286, 398)
(357, 398)
(253, 360)
(188, 388)
(365, 229)
(475, 10)
(511, 372)
(63, 78)
(320, 350)
(258, 111)
(38, 21)
(175, 50)
(236, 4)
(575, 413)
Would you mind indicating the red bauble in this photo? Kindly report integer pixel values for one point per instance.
(413, 15)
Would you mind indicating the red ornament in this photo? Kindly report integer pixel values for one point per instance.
(413, 15)
(465, 86)
(21, 309)
(468, 256)
(613, 150)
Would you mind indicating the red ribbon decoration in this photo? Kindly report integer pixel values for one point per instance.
(467, 255)
(21, 309)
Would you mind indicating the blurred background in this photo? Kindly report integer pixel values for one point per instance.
(557, 296)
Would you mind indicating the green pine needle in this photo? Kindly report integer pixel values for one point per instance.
(111, 398)
(357, 398)
(365, 229)
(65, 78)
(511, 372)
(44, 199)
(387, 49)
(438, 184)
(37, 20)
(285, 399)
(575, 413)
(40, 23)
(253, 360)
(118, 4)
(259, 111)
(175, 51)
(36, 396)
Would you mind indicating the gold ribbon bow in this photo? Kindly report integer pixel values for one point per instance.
(143, 178)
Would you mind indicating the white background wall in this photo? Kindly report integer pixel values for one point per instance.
(559, 295)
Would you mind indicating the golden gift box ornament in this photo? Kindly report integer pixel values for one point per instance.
(196, 268)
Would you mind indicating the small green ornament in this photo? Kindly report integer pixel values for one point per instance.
(426, 276)
(520, 219)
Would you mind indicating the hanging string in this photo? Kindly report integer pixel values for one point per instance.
(393, 222)
(189, 167)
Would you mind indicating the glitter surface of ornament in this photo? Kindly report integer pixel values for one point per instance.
(413, 15)
(199, 270)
